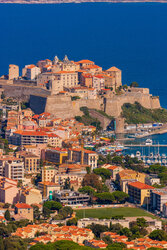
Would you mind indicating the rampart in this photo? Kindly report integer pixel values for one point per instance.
(105, 122)
(112, 106)
(22, 92)
(61, 106)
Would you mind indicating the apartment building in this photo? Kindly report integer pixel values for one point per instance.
(126, 176)
(28, 138)
(83, 156)
(48, 174)
(54, 140)
(158, 199)
(56, 155)
(58, 80)
(14, 169)
(31, 161)
(139, 193)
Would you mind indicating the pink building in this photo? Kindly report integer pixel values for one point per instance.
(9, 192)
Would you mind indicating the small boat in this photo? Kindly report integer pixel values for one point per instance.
(164, 156)
(148, 142)
(149, 161)
(151, 155)
(138, 154)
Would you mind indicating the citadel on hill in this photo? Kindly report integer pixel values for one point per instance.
(62, 87)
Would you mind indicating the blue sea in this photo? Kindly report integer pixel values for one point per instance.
(131, 36)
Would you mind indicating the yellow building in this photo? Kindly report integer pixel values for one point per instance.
(128, 175)
(56, 155)
(139, 193)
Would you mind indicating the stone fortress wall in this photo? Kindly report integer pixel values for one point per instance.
(61, 106)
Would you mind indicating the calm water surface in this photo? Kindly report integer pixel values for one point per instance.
(131, 36)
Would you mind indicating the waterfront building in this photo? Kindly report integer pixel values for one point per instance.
(13, 72)
(139, 193)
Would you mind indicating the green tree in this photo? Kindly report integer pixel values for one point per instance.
(141, 222)
(116, 228)
(67, 183)
(92, 180)
(69, 210)
(36, 212)
(107, 239)
(126, 231)
(52, 205)
(104, 173)
(72, 222)
(134, 84)
(120, 197)
(158, 235)
(117, 160)
(105, 197)
(87, 190)
(14, 243)
(97, 229)
(7, 215)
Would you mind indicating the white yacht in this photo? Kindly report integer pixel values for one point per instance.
(148, 142)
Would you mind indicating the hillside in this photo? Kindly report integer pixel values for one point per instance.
(135, 113)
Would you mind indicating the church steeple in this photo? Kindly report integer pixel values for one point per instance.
(65, 59)
(55, 60)
(19, 119)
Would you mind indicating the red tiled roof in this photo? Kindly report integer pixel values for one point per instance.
(22, 205)
(140, 185)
